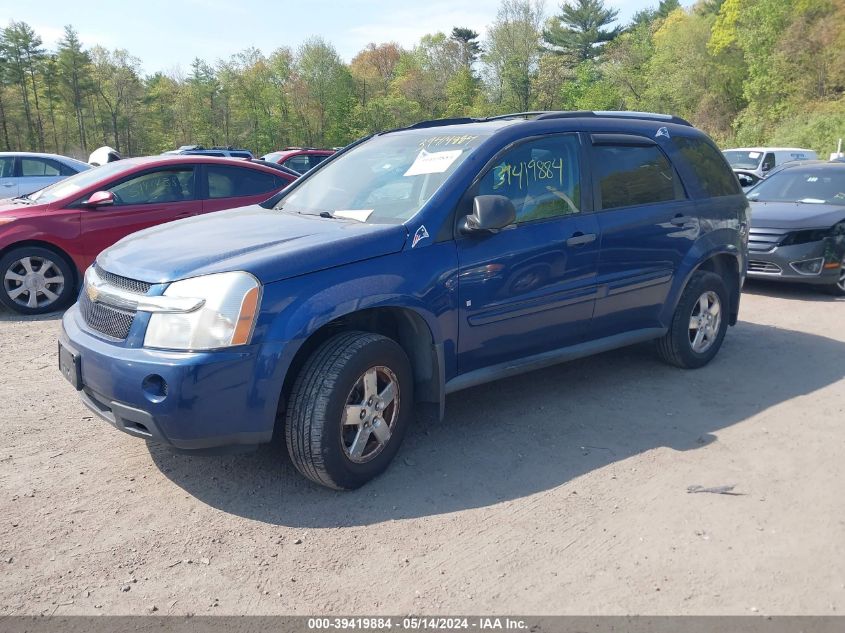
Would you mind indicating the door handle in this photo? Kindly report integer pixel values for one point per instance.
(681, 220)
(579, 239)
(8, 184)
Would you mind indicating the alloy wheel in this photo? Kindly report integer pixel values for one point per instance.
(705, 320)
(33, 282)
(370, 414)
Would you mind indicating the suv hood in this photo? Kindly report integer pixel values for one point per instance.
(272, 245)
(795, 215)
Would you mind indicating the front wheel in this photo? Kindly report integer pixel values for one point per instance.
(35, 280)
(838, 289)
(699, 323)
(349, 409)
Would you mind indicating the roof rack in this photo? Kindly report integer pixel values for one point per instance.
(539, 115)
(439, 122)
(616, 114)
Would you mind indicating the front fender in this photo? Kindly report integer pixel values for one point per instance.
(422, 280)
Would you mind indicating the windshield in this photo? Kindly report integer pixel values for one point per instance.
(386, 179)
(743, 160)
(814, 186)
(80, 181)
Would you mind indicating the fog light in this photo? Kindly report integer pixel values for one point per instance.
(154, 387)
(808, 266)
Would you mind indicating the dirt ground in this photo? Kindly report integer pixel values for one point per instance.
(563, 491)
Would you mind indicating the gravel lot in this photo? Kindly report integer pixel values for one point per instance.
(561, 491)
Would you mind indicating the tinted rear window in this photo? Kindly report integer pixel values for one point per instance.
(231, 182)
(710, 167)
(631, 175)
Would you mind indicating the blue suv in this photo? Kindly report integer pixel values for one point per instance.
(414, 263)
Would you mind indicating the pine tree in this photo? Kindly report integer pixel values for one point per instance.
(581, 29)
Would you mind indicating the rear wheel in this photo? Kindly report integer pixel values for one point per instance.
(349, 409)
(699, 323)
(35, 280)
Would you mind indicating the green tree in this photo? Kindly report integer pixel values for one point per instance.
(470, 48)
(23, 51)
(582, 29)
(75, 78)
(512, 54)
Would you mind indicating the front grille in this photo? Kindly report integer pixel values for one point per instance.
(763, 267)
(107, 320)
(763, 240)
(131, 285)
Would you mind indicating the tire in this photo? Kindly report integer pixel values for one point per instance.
(838, 289)
(35, 280)
(678, 346)
(333, 434)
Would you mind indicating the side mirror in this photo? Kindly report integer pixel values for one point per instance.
(99, 199)
(489, 214)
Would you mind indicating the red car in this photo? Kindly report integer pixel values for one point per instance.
(49, 238)
(300, 159)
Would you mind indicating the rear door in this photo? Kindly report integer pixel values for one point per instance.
(37, 172)
(647, 223)
(8, 180)
(531, 287)
(145, 199)
(227, 186)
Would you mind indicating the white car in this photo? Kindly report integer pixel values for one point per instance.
(21, 173)
(759, 161)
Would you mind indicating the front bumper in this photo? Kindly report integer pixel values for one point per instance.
(777, 263)
(187, 400)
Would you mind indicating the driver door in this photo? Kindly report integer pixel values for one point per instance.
(530, 287)
(141, 200)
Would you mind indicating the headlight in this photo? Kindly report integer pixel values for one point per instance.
(226, 318)
(805, 237)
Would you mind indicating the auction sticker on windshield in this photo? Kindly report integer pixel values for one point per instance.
(432, 162)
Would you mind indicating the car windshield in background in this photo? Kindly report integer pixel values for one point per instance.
(811, 186)
(743, 160)
(80, 181)
(386, 179)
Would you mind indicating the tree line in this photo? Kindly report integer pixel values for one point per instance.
(746, 71)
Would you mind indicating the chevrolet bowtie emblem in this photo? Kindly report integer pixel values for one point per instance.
(92, 293)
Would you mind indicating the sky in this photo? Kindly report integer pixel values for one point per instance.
(167, 34)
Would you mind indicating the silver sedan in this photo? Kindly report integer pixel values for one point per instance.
(21, 173)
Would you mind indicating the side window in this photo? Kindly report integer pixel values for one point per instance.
(316, 159)
(240, 155)
(542, 178)
(7, 167)
(712, 170)
(630, 175)
(66, 170)
(225, 181)
(156, 187)
(39, 167)
(298, 163)
(769, 162)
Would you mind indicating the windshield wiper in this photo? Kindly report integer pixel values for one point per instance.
(24, 200)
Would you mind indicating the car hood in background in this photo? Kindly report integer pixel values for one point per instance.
(795, 215)
(272, 245)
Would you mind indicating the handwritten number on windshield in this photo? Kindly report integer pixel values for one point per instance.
(523, 173)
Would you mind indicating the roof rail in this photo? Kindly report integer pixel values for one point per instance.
(548, 114)
(514, 115)
(439, 122)
(620, 114)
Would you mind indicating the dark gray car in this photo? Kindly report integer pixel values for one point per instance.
(798, 226)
